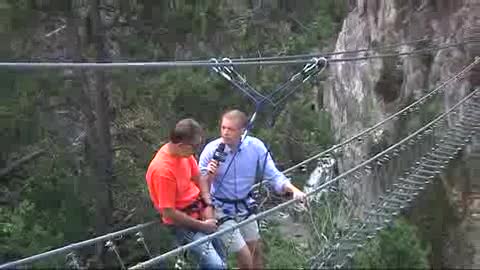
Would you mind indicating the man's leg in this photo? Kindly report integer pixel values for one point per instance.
(218, 245)
(233, 243)
(256, 250)
(244, 258)
(251, 235)
(206, 254)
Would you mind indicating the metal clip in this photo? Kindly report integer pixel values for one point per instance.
(141, 240)
(111, 246)
(215, 68)
(232, 71)
(309, 67)
(220, 70)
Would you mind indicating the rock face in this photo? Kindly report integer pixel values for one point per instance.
(463, 188)
(360, 94)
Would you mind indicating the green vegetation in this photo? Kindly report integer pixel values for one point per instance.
(398, 247)
(53, 199)
(282, 253)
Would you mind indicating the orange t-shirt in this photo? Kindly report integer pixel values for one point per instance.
(169, 180)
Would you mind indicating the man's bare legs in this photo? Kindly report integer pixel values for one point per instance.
(255, 248)
(244, 258)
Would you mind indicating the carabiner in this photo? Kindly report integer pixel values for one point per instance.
(215, 68)
(220, 69)
(309, 67)
(231, 70)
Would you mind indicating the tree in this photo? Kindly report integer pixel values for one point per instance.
(94, 103)
(116, 119)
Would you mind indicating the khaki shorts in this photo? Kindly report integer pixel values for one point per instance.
(236, 240)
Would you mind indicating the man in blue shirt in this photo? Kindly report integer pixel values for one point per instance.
(231, 182)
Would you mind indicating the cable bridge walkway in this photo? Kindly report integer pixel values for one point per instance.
(404, 169)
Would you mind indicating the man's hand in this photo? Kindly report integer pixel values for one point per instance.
(295, 192)
(212, 167)
(210, 225)
(182, 219)
(298, 194)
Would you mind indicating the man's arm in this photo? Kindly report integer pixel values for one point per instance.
(204, 185)
(208, 169)
(205, 179)
(278, 180)
(202, 181)
(167, 190)
(270, 172)
(203, 162)
(296, 193)
(182, 219)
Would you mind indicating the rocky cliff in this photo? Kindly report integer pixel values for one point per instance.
(360, 94)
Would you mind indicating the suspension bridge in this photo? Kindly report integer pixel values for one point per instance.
(405, 168)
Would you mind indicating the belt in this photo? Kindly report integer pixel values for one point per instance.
(196, 206)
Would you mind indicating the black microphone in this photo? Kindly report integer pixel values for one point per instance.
(219, 154)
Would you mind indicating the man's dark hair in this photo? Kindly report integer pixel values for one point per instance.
(186, 131)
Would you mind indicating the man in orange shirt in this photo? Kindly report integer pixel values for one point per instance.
(176, 192)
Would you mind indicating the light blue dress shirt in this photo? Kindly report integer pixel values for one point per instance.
(242, 174)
